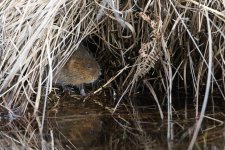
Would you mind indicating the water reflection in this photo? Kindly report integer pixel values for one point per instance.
(72, 123)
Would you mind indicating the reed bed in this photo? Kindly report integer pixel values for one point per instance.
(159, 46)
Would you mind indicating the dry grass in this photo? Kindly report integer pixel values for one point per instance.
(37, 37)
(161, 46)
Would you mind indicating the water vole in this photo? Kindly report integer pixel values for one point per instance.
(81, 68)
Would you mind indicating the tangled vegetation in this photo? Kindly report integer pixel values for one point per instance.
(162, 47)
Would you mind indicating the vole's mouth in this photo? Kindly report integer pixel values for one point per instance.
(92, 80)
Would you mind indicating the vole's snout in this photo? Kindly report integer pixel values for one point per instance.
(99, 71)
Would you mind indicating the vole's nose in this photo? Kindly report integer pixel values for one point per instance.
(99, 72)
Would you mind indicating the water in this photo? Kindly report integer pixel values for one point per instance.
(72, 122)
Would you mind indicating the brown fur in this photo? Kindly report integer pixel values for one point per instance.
(81, 68)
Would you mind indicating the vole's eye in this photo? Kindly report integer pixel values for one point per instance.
(88, 66)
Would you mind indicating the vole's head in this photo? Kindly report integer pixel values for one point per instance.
(83, 68)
